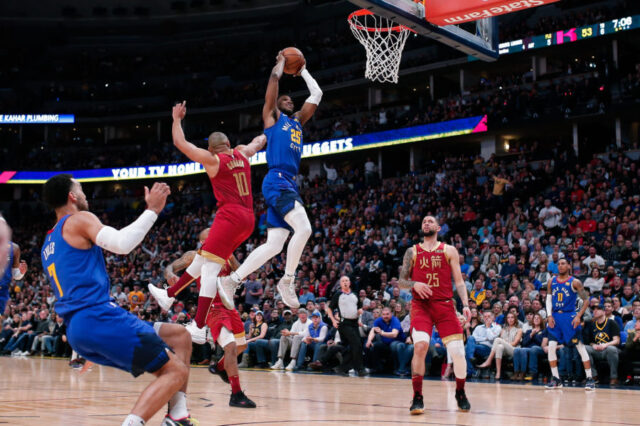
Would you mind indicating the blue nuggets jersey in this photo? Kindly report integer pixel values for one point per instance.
(563, 296)
(78, 277)
(284, 145)
(7, 275)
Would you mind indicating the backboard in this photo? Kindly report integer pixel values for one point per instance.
(483, 44)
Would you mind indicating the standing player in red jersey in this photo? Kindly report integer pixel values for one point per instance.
(227, 329)
(230, 175)
(428, 269)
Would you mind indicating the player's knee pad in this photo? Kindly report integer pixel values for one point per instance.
(582, 350)
(455, 349)
(553, 347)
(298, 220)
(210, 271)
(420, 336)
(225, 337)
(195, 268)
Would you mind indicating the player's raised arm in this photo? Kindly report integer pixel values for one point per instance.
(84, 227)
(461, 288)
(270, 113)
(254, 146)
(194, 153)
(311, 104)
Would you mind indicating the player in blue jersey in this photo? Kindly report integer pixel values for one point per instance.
(11, 267)
(98, 329)
(564, 323)
(285, 212)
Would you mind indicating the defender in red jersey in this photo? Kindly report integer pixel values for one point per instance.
(428, 269)
(230, 175)
(227, 329)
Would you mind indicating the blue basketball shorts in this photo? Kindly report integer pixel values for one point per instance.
(563, 332)
(280, 193)
(109, 335)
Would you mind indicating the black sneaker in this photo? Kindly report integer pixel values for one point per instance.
(187, 421)
(362, 373)
(461, 399)
(340, 372)
(213, 369)
(554, 383)
(417, 405)
(239, 399)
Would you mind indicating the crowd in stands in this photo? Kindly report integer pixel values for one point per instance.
(511, 221)
(582, 87)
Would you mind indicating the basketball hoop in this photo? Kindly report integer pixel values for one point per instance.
(383, 40)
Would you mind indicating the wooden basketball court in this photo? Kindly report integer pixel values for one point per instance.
(47, 392)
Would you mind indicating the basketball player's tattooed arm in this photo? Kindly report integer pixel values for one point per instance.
(233, 263)
(579, 288)
(270, 112)
(456, 273)
(178, 265)
(405, 281)
(199, 155)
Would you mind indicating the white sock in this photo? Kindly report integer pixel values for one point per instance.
(178, 406)
(133, 420)
(276, 238)
(554, 372)
(298, 220)
(587, 371)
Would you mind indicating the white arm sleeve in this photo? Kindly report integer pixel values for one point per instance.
(126, 239)
(15, 273)
(549, 305)
(314, 89)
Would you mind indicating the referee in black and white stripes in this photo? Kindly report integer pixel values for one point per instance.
(348, 305)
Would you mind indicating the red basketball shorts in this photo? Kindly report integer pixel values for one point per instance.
(231, 227)
(220, 317)
(441, 313)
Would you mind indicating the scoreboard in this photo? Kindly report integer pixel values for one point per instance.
(571, 35)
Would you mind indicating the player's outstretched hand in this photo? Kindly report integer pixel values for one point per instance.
(551, 322)
(423, 290)
(179, 111)
(156, 198)
(280, 57)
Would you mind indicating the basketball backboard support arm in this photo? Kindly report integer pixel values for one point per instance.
(412, 15)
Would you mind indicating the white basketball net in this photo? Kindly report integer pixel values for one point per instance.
(383, 40)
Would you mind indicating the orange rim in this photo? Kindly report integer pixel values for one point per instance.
(365, 12)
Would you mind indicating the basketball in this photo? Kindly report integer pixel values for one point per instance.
(294, 60)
